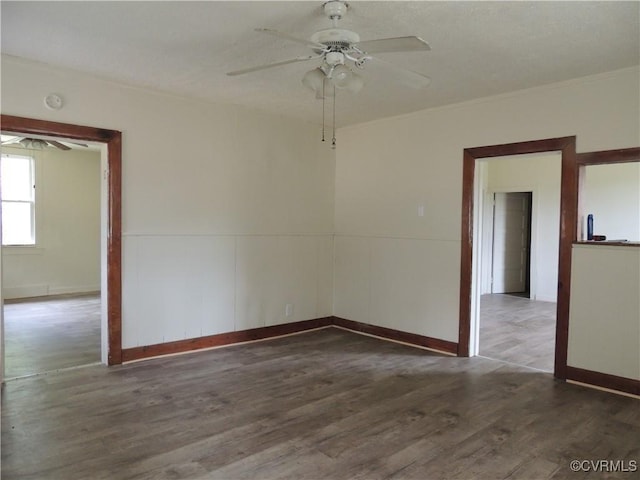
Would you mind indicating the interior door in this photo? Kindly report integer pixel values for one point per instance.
(511, 224)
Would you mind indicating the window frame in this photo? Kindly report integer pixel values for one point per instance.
(31, 201)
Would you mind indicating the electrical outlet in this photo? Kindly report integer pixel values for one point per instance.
(421, 210)
(288, 310)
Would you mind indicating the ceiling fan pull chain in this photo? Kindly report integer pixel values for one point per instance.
(323, 97)
(333, 140)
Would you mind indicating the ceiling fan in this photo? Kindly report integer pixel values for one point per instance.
(337, 48)
(39, 143)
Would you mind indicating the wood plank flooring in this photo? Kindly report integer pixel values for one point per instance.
(325, 404)
(518, 330)
(49, 333)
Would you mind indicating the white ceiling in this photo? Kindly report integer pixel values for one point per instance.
(478, 48)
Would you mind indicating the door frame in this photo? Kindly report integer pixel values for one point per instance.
(113, 141)
(469, 271)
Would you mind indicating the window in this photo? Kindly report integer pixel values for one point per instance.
(18, 200)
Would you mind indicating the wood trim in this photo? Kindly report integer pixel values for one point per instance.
(568, 235)
(605, 380)
(114, 250)
(190, 344)
(568, 231)
(113, 140)
(607, 243)
(230, 338)
(581, 225)
(466, 260)
(391, 334)
(603, 157)
(32, 126)
(520, 148)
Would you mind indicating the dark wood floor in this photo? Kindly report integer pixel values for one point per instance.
(518, 330)
(327, 404)
(49, 333)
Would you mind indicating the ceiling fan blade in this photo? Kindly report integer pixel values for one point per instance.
(397, 44)
(271, 65)
(59, 145)
(277, 33)
(410, 78)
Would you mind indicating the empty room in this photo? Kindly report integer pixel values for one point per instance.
(51, 278)
(280, 237)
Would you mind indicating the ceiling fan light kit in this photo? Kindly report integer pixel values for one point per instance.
(40, 143)
(337, 49)
(313, 79)
(33, 143)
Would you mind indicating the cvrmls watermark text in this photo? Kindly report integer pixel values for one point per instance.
(604, 466)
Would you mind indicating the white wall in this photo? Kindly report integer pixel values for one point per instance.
(612, 195)
(386, 169)
(539, 174)
(604, 330)
(227, 212)
(66, 257)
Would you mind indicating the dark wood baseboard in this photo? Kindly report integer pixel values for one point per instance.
(191, 344)
(605, 380)
(391, 334)
(180, 346)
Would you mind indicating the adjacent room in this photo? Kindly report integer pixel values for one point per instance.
(520, 217)
(520, 228)
(51, 255)
(320, 240)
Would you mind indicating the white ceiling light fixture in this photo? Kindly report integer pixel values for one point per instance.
(340, 76)
(33, 143)
(336, 48)
(313, 79)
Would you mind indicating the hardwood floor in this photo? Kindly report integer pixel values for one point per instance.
(518, 330)
(325, 404)
(49, 333)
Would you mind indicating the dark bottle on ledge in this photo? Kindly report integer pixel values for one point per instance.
(590, 226)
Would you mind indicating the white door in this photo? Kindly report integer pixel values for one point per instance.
(510, 242)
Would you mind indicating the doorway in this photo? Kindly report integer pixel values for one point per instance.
(511, 243)
(471, 243)
(519, 249)
(51, 196)
(111, 283)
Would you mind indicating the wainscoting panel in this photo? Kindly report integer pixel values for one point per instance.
(404, 284)
(181, 287)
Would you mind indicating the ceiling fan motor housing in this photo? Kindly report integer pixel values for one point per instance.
(338, 38)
